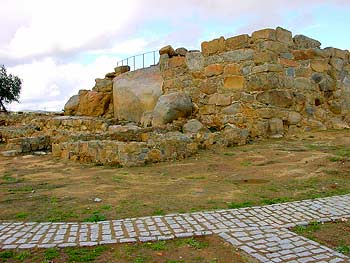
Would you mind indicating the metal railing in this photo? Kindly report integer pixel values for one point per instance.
(141, 60)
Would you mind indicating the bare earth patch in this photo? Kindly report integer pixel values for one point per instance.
(40, 188)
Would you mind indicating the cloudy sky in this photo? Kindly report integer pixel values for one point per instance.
(60, 46)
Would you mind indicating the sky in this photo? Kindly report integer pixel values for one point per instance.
(58, 47)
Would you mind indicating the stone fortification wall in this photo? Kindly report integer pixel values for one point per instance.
(269, 83)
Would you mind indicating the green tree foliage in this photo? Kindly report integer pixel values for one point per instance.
(10, 87)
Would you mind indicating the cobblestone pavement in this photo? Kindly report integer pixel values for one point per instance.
(262, 231)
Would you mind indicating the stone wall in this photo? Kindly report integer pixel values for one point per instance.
(97, 102)
(269, 83)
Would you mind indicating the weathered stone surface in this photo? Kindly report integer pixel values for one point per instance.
(237, 42)
(284, 36)
(220, 99)
(213, 70)
(177, 61)
(266, 56)
(294, 118)
(121, 69)
(136, 92)
(213, 47)
(181, 51)
(167, 50)
(93, 103)
(267, 68)
(194, 61)
(11, 153)
(103, 85)
(194, 126)
(171, 107)
(311, 53)
(238, 55)
(279, 98)
(268, 33)
(303, 42)
(234, 82)
(232, 69)
(232, 135)
(29, 144)
(275, 46)
(276, 127)
(320, 65)
(71, 107)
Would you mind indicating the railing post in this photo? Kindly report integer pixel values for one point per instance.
(143, 60)
(154, 57)
(134, 63)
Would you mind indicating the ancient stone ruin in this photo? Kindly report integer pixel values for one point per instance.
(234, 90)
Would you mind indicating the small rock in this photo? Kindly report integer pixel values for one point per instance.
(97, 200)
(11, 153)
(40, 153)
(28, 156)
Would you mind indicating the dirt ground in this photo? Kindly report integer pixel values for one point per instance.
(209, 249)
(41, 188)
(335, 235)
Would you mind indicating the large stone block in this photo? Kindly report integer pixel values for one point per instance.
(267, 68)
(275, 46)
(171, 107)
(284, 36)
(268, 33)
(103, 85)
(237, 42)
(320, 65)
(220, 99)
(71, 107)
(238, 55)
(279, 98)
(304, 42)
(167, 50)
(194, 61)
(177, 61)
(213, 70)
(232, 69)
(213, 47)
(234, 82)
(93, 103)
(136, 92)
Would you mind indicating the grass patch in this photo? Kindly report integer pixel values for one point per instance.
(84, 254)
(95, 217)
(24, 189)
(160, 245)
(22, 255)
(51, 253)
(196, 244)
(344, 249)
(158, 212)
(21, 215)
(336, 159)
(343, 153)
(308, 229)
(229, 154)
(106, 207)
(275, 201)
(239, 205)
(7, 254)
(246, 163)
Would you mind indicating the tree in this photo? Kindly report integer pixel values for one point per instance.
(10, 87)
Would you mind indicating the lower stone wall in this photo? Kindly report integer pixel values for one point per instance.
(169, 146)
(29, 144)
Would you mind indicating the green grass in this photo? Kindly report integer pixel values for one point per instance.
(51, 253)
(229, 154)
(308, 229)
(246, 163)
(196, 244)
(22, 255)
(95, 217)
(160, 245)
(21, 215)
(343, 153)
(335, 159)
(344, 249)
(7, 254)
(239, 205)
(275, 201)
(158, 212)
(106, 207)
(84, 254)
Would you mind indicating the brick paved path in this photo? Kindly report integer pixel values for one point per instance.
(262, 231)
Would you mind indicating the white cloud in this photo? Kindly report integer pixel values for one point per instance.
(48, 84)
